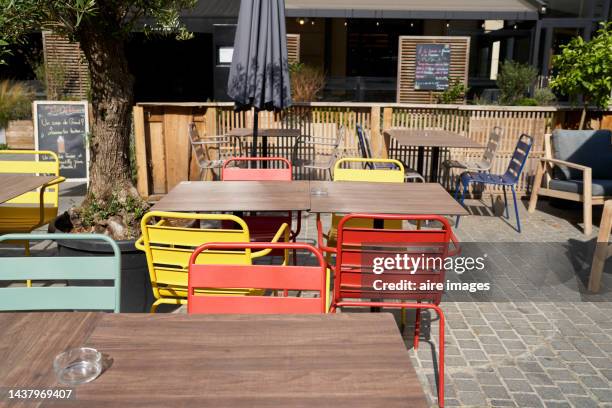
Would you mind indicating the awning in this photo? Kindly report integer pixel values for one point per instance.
(414, 9)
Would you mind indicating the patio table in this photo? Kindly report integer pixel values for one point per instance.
(226, 196)
(435, 139)
(169, 360)
(14, 185)
(383, 198)
(265, 133)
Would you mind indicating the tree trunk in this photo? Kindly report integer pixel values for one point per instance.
(112, 98)
(583, 117)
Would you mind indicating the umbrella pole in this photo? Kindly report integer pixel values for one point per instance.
(255, 131)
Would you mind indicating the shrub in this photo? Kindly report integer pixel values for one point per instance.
(514, 81)
(306, 82)
(15, 102)
(544, 97)
(456, 90)
(527, 102)
(585, 68)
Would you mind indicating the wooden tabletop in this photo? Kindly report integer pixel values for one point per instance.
(247, 132)
(431, 138)
(207, 196)
(14, 185)
(383, 198)
(341, 196)
(171, 360)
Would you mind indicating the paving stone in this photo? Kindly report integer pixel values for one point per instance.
(510, 372)
(518, 385)
(592, 381)
(603, 395)
(549, 393)
(560, 375)
(601, 363)
(468, 344)
(583, 402)
(489, 378)
(475, 355)
(530, 367)
(494, 391)
(502, 403)
(527, 400)
(582, 368)
(571, 388)
(472, 398)
(466, 385)
(557, 404)
(539, 379)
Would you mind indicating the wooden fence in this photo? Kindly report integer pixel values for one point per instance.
(164, 156)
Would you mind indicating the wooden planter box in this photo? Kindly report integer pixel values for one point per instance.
(20, 134)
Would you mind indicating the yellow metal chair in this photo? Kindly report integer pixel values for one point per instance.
(36, 208)
(394, 173)
(168, 244)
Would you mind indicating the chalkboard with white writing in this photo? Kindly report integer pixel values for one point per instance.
(62, 127)
(432, 67)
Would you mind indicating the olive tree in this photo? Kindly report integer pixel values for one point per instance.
(585, 68)
(101, 27)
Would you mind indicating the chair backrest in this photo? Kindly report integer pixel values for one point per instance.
(592, 148)
(491, 149)
(58, 269)
(364, 144)
(257, 174)
(168, 239)
(358, 249)
(199, 149)
(266, 277)
(518, 159)
(376, 174)
(42, 162)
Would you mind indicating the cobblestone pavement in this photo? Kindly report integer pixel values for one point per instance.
(537, 338)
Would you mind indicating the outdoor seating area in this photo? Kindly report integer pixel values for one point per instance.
(246, 231)
(287, 246)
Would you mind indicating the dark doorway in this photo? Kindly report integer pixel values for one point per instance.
(168, 70)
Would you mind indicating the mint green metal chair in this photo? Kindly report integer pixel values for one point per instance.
(57, 268)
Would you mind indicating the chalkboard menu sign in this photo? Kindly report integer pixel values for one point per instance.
(432, 67)
(62, 127)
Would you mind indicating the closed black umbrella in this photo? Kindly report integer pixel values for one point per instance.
(259, 75)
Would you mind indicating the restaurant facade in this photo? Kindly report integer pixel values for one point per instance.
(354, 42)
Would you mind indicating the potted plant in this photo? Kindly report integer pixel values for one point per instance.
(118, 216)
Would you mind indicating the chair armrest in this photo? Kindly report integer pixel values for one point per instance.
(54, 182)
(41, 207)
(456, 247)
(320, 239)
(139, 244)
(283, 231)
(565, 163)
(314, 140)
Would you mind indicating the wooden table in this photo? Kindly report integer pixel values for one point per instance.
(342, 197)
(385, 198)
(208, 196)
(435, 139)
(14, 185)
(265, 133)
(336, 360)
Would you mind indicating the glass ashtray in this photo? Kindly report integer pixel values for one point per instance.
(318, 192)
(78, 365)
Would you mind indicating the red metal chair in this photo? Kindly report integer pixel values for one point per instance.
(262, 227)
(274, 277)
(355, 279)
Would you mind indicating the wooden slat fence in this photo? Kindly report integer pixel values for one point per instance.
(161, 131)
